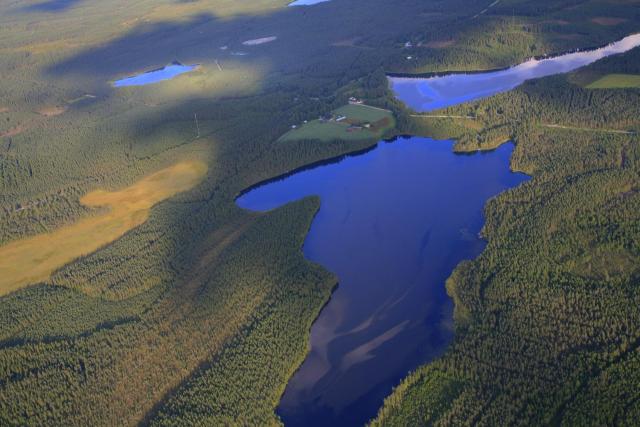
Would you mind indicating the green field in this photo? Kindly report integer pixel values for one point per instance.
(616, 81)
(30, 261)
(379, 120)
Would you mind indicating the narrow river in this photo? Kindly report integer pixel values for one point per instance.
(393, 224)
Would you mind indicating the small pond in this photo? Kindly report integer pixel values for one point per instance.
(423, 94)
(393, 224)
(165, 73)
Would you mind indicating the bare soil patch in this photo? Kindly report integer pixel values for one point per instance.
(608, 21)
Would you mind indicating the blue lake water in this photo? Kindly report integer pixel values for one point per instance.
(393, 224)
(306, 2)
(423, 94)
(165, 73)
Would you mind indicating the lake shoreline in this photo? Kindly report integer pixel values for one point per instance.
(422, 341)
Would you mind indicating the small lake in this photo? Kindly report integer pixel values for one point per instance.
(393, 224)
(306, 2)
(424, 94)
(165, 73)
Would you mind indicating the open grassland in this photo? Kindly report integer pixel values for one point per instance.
(350, 129)
(616, 81)
(547, 316)
(514, 30)
(32, 260)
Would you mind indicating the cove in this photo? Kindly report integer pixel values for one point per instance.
(393, 224)
(165, 73)
(423, 94)
(306, 2)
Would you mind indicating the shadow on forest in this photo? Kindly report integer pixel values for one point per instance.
(199, 39)
(51, 6)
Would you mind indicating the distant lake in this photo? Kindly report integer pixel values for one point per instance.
(306, 2)
(393, 224)
(438, 92)
(165, 73)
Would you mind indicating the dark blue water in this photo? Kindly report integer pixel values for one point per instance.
(165, 73)
(425, 94)
(393, 224)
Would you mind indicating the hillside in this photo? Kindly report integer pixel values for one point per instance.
(201, 312)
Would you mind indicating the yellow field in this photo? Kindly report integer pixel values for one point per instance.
(33, 259)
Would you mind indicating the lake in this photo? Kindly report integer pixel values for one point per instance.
(424, 94)
(393, 224)
(165, 73)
